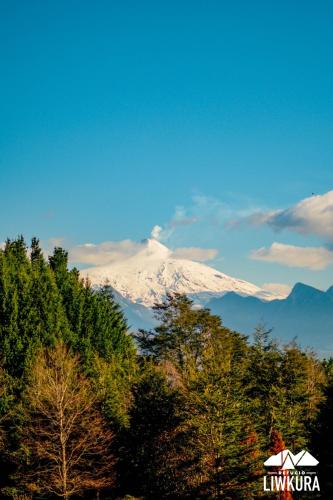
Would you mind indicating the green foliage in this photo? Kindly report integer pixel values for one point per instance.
(41, 303)
(114, 380)
(209, 370)
(322, 435)
(285, 389)
(30, 305)
(152, 464)
(234, 396)
(193, 415)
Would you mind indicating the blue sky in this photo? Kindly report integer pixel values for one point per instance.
(119, 116)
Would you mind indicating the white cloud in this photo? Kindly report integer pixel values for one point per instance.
(104, 253)
(109, 252)
(315, 258)
(204, 212)
(182, 218)
(195, 253)
(179, 218)
(313, 215)
(278, 289)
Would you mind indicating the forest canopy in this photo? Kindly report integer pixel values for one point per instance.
(188, 410)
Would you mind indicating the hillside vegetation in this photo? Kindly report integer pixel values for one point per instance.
(189, 410)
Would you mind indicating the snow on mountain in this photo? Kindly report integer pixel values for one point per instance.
(147, 276)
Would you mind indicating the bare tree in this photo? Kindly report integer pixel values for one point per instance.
(67, 441)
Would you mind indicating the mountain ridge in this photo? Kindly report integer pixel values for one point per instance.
(146, 277)
(307, 314)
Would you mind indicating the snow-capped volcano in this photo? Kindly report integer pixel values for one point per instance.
(147, 276)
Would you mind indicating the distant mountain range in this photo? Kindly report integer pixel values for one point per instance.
(137, 315)
(143, 279)
(307, 314)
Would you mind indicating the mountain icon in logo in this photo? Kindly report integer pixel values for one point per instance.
(286, 460)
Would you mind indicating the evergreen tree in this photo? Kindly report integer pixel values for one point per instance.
(301, 392)
(194, 419)
(322, 437)
(285, 389)
(154, 443)
(210, 364)
(263, 390)
(14, 279)
(223, 438)
(42, 303)
(30, 304)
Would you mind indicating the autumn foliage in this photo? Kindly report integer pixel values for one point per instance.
(189, 410)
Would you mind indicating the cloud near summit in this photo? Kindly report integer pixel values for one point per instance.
(179, 219)
(104, 253)
(195, 253)
(110, 252)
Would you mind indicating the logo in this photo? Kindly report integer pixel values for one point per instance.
(288, 474)
(287, 461)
